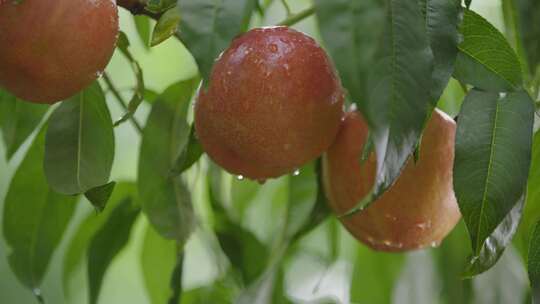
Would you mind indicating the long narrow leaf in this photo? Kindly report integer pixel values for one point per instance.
(399, 100)
(80, 125)
(165, 199)
(35, 218)
(493, 154)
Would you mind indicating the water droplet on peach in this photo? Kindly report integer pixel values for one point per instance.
(424, 225)
(390, 217)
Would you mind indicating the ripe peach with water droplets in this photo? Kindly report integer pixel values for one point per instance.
(50, 50)
(419, 210)
(272, 104)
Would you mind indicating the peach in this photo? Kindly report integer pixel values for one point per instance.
(50, 50)
(419, 210)
(273, 103)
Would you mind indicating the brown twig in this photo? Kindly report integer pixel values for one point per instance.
(138, 7)
(121, 101)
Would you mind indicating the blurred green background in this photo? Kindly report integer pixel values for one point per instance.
(319, 272)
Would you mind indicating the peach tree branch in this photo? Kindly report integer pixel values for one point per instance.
(138, 7)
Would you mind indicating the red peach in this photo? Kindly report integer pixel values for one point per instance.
(50, 50)
(419, 210)
(273, 103)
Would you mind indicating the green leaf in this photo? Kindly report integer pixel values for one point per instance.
(165, 199)
(442, 20)
(343, 25)
(158, 259)
(279, 295)
(73, 163)
(138, 96)
(107, 243)
(158, 6)
(495, 244)
(302, 199)
(505, 283)
(77, 246)
(533, 263)
(214, 180)
(374, 276)
(246, 253)
(452, 98)
(218, 292)
(486, 60)
(399, 97)
(208, 26)
(123, 43)
(242, 195)
(248, 256)
(320, 210)
(176, 279)
(492, 159)
(150, 96)
(166, 26)
(261, 291)
(531, 212)
(259, 8)
(142, 24)
(451, 258)
(190, 154)
(35, 218)
(299, 214)
(333, 234)
(529, 14)
(18, 119)
(513, 33)
(99, 196)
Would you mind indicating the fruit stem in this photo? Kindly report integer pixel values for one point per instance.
(295, 18)
(121, 101)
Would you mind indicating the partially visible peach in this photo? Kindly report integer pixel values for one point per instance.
(50, 50)
(419, 210)
(273, 103)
